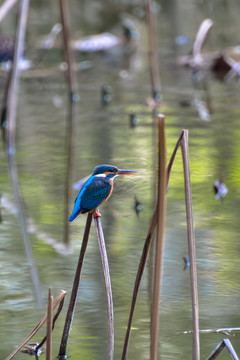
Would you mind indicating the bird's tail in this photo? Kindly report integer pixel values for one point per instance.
(73, 216)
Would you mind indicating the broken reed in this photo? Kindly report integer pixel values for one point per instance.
(57, 302)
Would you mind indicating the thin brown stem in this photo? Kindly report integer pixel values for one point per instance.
(73, 299)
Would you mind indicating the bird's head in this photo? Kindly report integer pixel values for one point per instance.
(111, 171)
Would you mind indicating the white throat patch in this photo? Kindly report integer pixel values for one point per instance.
(100, 175)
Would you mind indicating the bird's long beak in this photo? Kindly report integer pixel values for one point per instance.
(126, 172)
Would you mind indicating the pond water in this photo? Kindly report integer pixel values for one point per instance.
(103, 135)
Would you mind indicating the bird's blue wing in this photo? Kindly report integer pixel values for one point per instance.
(93, 193)
(77, 204)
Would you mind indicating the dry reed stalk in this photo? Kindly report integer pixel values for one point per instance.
(158, 270)
(191, 246)
(73, 298)
(58, 300)
(145, 252)
(107, 280)
(49, 326)
(72, 92)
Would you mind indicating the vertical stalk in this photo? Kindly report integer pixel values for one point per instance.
(191, 246)
(162, 177)
(107, 279)
(73, 298)
(49, 326)
(72, 92)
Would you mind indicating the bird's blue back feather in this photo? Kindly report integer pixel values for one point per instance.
(93, 193)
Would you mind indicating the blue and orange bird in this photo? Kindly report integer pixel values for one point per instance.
(96, 189)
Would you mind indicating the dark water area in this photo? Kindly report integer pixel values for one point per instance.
(102, 135)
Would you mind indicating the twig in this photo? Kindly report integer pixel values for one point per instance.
(73, 299)
(143, 259)
(107, 279)
(191, 246)
(49, 326)
(225, 331)
(58, 300)
(160, 238)
(72, 92)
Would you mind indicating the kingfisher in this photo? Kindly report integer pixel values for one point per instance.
(96, 189)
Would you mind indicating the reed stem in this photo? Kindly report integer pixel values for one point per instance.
(107, 280)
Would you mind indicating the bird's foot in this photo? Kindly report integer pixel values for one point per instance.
(96, 214)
